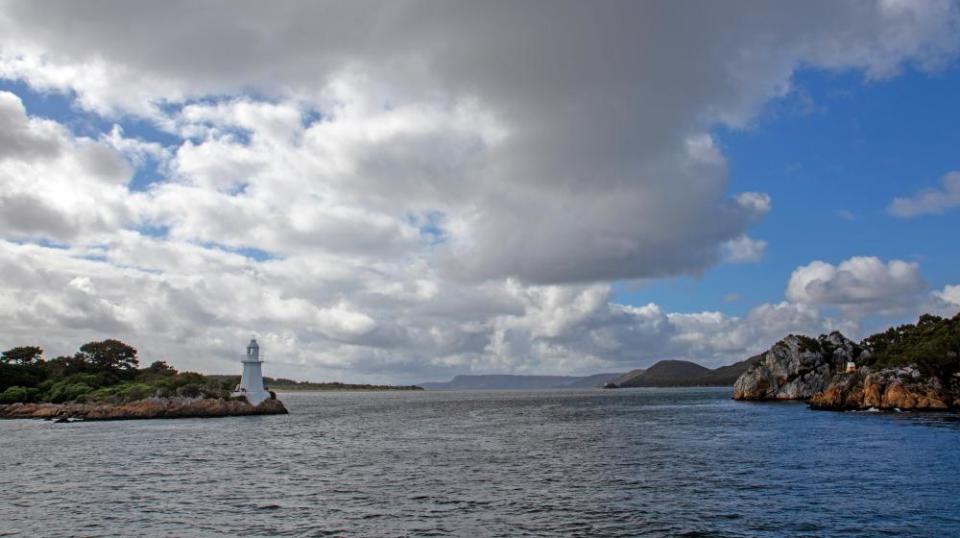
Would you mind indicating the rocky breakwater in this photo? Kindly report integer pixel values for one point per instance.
(904, 388)
(143, 409)
(796, 368)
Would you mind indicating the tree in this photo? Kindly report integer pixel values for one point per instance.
(160, 368)
(21, 355)
(21, 366)
(65, 365)
(933, 345)
(938, 350)
(110, 355)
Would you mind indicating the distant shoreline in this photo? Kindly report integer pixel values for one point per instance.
(289, 385)
(345, 388)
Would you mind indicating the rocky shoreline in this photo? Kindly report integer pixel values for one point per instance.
(829, 374)
(151, 408)
(903, 389)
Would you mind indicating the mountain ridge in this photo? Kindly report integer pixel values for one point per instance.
(518, 382)
(680, 373)
(665, 373)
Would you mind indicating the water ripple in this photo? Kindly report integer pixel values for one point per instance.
(646, 462)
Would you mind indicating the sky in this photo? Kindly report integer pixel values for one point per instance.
(403, 191)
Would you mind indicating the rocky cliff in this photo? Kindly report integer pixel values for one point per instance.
(796, 368)
(907, 367)
(890, 388)
(143, 409)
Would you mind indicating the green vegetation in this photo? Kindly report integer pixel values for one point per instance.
(19, 394)
(108, 372)
(932, 345)
(809, 344)
(100, 372)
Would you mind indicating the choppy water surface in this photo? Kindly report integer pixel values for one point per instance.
(645, 462)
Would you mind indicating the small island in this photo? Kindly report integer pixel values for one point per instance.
(909, 367)
(103, 381)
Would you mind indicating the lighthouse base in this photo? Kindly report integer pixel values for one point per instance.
(254, 397)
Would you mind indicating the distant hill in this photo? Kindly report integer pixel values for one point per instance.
(519, 382)
(674, 373)
(592, 381)
(670, 373)
(727, 375)
(620, 379)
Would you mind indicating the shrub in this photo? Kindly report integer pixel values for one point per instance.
(19, 394)
(809, 344)
(101, 395)
(190, 390)
(65, 391)
(131, 392)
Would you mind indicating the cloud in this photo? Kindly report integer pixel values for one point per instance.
(328, 317)
(847, 215)
(56, 186)
(950, 294)
(321, 318)
(743, 250)
(584, 138)
(22, 138)
(933, 201)
(859, 286)
(405, 191)
(714, 336)
(945, 302)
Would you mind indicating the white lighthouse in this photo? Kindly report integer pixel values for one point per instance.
(251, 383)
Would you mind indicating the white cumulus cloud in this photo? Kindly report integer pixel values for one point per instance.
(932, 201)
(860, 285)
(743, 249)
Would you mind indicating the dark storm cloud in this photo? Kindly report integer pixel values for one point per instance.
(601, 101)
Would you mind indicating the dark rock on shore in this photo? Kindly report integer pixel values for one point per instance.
(796, 368)
(143, 409)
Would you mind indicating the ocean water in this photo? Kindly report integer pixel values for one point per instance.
(636, 462)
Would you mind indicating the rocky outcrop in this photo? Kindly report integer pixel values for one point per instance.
(892, 388)
(143, 409)
(796, 368)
